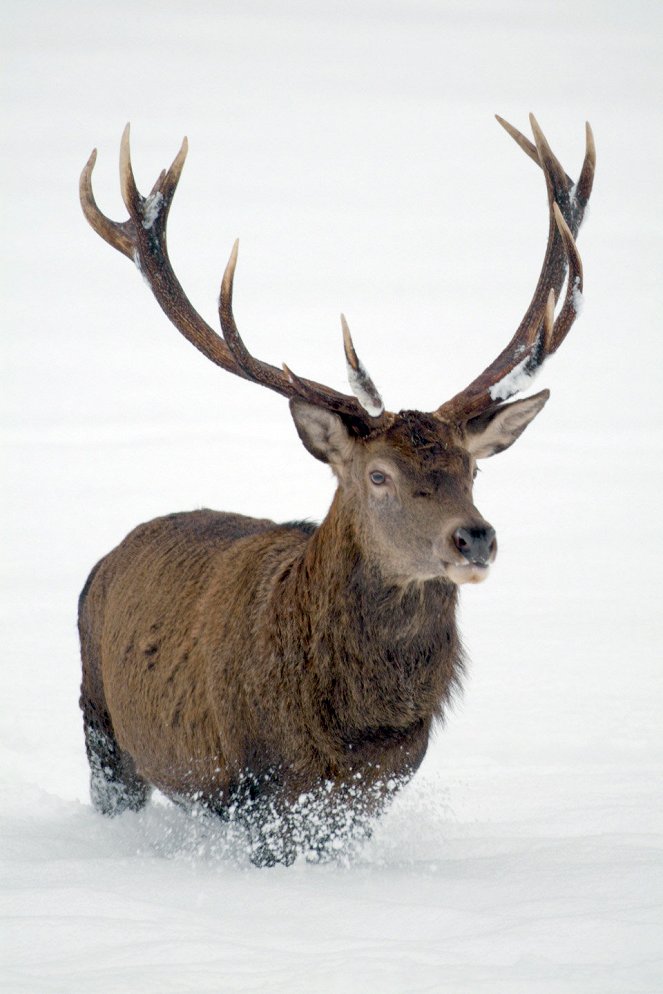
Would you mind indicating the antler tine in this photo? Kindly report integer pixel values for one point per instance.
(552, 168)
(586, 179)
(537, 336)
(117, 234)
(528, 147)
(130, 195)
(520, 139)
(549, 323)
(253, 368)
(360, 382)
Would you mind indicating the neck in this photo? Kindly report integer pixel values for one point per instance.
(385, 656)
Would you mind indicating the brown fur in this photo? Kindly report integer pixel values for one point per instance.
(244, 663)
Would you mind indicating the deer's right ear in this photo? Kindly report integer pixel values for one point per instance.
(322, 432)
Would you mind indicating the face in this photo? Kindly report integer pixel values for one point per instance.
(410, 486)
(414, 488)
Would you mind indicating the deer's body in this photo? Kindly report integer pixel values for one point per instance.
(228, 659)
(251, 666)
(250, 651)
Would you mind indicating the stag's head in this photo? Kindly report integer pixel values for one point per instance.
(407, 477)
(409, 485)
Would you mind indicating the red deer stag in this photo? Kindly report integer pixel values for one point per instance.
(287, 675)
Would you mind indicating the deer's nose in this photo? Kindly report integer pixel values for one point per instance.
(478, 545)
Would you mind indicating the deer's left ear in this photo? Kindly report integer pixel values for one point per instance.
(497, 430)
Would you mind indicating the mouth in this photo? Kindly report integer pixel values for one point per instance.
(467, 572)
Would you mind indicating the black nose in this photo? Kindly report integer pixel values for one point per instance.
(478, 545)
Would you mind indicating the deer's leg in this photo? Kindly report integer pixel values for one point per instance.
(256, 803)
(115, 786)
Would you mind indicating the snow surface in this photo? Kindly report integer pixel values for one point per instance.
(527, 854)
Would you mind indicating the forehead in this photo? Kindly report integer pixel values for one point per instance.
(421, 442)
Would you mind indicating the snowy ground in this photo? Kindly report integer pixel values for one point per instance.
(353, 149)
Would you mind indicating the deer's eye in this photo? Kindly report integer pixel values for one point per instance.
(378, 478)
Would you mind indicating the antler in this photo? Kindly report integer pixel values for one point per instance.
(143, 239)
(539, 333)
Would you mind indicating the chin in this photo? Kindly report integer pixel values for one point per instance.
(466, 573)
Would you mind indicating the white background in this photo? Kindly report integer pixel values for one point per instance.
(353, 149)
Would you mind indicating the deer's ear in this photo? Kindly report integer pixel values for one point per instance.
(323, 433)
(497, 430)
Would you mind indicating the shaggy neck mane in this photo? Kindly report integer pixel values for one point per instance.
(387, 657)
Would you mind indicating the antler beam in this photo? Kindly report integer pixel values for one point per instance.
(537, 336)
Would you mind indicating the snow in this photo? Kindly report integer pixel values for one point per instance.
(515, 381)
(357, 379)
(527, 854)
(151, 209)
(577, 297)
